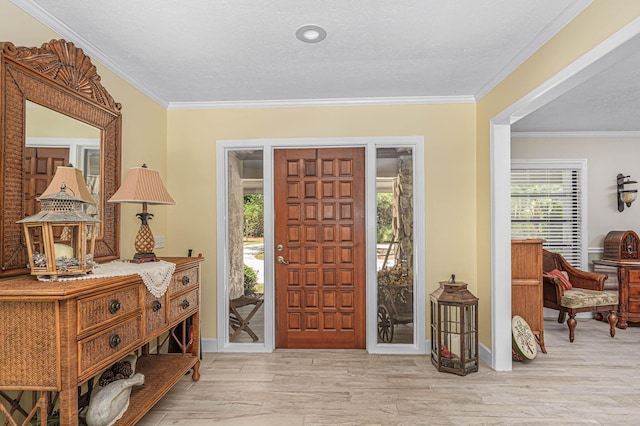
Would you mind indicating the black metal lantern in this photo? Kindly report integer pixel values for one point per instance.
(454, 328)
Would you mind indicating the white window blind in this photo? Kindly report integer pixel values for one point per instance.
(547, 202)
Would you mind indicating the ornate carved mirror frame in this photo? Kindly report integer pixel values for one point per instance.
(59, 76)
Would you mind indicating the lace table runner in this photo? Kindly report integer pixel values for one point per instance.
(155, 275)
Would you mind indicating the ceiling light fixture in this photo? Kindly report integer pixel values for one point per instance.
(311, 34)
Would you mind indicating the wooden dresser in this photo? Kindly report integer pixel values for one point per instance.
(526, 285)
(627, 277)
(621, 262)
(57, 335)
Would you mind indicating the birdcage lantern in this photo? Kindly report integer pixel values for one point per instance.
(60, 239)
(454, 328)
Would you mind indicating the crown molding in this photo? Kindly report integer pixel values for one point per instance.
(297, 103)
(576, 135)
(543, 37)
(33, 9)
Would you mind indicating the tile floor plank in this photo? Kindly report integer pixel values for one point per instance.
(593, 381)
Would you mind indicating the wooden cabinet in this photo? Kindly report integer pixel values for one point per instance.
(57, 335)
(526, 285)
(627, 276)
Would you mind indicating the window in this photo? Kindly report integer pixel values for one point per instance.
(548, 201)
(394, 244)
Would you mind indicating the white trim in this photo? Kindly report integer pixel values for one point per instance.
(267, 146)
(500, 247)
(35, 10)
(208, 345)
(419, 346)
(567, 163)
(618, 45)
(298, 103)
(75, 145)
(576, 135)
(544, 36)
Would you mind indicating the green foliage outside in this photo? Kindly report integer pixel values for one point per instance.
(384, 213)
(250, 280)
(254, 215)
(536, 210)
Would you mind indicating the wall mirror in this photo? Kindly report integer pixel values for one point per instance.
(54, 111)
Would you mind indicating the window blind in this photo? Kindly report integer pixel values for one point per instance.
(547, 203)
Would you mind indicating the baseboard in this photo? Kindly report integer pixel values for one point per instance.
(209, 345)
(485, 354)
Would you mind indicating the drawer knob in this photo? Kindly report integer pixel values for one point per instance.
(185, 280)
(185, 304)
(114, 341)
(114, 306)
(156, 306)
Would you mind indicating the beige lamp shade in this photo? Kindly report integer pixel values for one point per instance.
(142, 185)
(74, 182)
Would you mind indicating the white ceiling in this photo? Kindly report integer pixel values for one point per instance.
(228, 53)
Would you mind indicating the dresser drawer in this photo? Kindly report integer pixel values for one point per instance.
(95, 310)
(634, 291)
(183, 280)
(155, 312)
(98, 351)
(633, 307)
(184, 303)
(634, 276)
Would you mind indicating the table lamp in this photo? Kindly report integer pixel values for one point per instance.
(143, 185)
(73, 181)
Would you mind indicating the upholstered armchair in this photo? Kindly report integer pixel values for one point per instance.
(571, 291)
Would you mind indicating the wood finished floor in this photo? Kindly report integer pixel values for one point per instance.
(593, 381)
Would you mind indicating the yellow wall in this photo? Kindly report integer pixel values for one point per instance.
(599, 21)
(181, 144)
(144, 121)
(45, 123)
(449, 134)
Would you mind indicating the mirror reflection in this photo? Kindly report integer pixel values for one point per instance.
(54, 139)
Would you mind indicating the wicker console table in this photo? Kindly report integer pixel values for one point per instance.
(55, 336)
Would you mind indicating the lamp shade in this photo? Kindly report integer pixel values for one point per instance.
(142, 185)
(73, 181)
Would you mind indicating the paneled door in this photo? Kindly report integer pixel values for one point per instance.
(320, 248)
(40, 165)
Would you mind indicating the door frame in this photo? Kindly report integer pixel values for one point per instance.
(370, 144)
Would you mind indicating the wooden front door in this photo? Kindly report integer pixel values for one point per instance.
(320, 236)
(40, 165)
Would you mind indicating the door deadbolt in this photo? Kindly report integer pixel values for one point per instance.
(279, 247)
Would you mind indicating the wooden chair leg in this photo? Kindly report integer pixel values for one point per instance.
(571, 322)
(561, 316)
(613, 319)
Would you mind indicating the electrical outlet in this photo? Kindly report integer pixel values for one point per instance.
(158, 241)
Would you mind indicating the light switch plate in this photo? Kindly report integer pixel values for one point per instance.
(158, 241)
